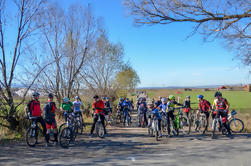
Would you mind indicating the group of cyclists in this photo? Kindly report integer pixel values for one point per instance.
(164, 106)
(69, 109)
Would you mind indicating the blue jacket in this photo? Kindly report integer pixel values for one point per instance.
(156, 113)
(125, 103)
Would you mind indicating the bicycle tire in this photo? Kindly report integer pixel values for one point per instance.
(33, 134)
(241, 123)
(61, 127)
(100, 130)
(65, 137)
(214, 128)
(80, 127)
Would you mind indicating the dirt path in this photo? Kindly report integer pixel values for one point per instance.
(132, 146)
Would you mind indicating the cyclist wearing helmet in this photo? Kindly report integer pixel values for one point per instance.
(171, 106)
(159, 101)
(222, 107)
(142, 109)
(120, 107)
(66, 107)
(33, 109)
(156, 113)
(98, 108)
(108, 109)
(49, 114)
(77, 107)
(204, 107)
(187, 106)
(127, 107)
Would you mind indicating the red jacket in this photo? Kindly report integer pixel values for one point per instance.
(34, 107)
(98, 104)
(204, 105)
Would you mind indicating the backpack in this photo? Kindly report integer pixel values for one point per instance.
(47, 112)
(207, 103)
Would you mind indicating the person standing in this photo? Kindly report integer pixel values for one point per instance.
(50, 121)
(33, 109)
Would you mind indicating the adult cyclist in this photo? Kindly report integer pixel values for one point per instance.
(98, 110)
(222, 107)
(49, 114)
(33, 109)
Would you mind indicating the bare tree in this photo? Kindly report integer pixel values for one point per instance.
(228, 19)
(103, 64)
(27, 12)
(68, 40)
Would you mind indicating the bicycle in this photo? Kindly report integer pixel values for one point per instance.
(34, 134)
(154, 128)
(79, 122)
(236, 125)
(201, 123)
(100, 130)
(69, 133)
(218, 123)
(183, 123)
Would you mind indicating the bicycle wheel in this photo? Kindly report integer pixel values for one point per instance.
(202, 125)
(79, 127)
(65, 137)
(61, 127)
(236, 125)
(214, 128)
(100, 131)
(184, 125)
(150, 131)
(33, 135)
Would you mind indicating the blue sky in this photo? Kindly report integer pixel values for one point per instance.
(161, 55)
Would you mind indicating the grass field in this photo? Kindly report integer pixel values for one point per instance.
(239, 100)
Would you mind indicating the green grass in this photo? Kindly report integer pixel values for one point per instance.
(239, 100)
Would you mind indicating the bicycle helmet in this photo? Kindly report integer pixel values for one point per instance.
(50, 95)
(76, 97)
(171, 97)
(188, 97)
(35, 94)
(200, 96)
(66, 99)
(164, 99)
(95, 97)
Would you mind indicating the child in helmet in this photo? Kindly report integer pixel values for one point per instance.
(77, 107)
(171, 106)
(187, 106)
(156, 113)
(66, 107)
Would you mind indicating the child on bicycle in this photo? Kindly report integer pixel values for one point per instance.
(66, 107)
(49, 114)
(187, 106)
(77, 108)
(156, 114)
(170, 112)
(204, 107)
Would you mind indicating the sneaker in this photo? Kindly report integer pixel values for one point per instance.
(169, 136)
(160, 136)
(91, 135)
